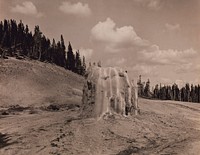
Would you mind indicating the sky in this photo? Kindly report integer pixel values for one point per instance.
(158, 39)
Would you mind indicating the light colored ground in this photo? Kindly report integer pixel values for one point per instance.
(163, 127)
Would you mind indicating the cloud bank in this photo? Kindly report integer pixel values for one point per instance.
(154, 55)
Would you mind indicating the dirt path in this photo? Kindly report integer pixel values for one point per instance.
(161, 128)
(189, 112)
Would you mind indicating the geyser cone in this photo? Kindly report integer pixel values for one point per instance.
(108, 91)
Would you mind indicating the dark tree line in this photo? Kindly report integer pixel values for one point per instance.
(16, 40)
(188, 93)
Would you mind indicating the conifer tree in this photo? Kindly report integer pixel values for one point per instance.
(78, 64)
(13, 32)
(187, 87)
(7, 38)
(53, 49)
(37, 43)
(63, 52)
(156, 92)
(198, 93)
(83, 70)
(140, 86)
(147, 89)
(192, 94)
(70, 63)
(20, 30)
(62, 43)
(1, 32)
(58, 55)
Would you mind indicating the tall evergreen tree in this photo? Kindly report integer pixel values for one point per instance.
(58, 59)
(70, 63)
(13, 33)
(62, 43)
(7, 37)
(20, 30)
(1, 32)
(140, 86)
(192, 94)
(156, 91)
(83, 70)
(198, 93)
(53, 51)
(78, 64)
(147, 89)
(63, 52)
(26, 42)
(37, 43)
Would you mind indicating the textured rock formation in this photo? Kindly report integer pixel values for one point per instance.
(108, 91)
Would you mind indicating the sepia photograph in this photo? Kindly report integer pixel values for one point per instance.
(99, 77)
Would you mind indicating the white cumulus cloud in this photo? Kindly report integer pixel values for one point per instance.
(27, 8)
(79, 8)
(116, 39)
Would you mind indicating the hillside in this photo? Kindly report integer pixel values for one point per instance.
(33, 83)
(34, 127)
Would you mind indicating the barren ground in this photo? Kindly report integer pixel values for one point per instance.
(40, 107)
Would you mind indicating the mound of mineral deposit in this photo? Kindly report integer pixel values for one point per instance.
(108, 91)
